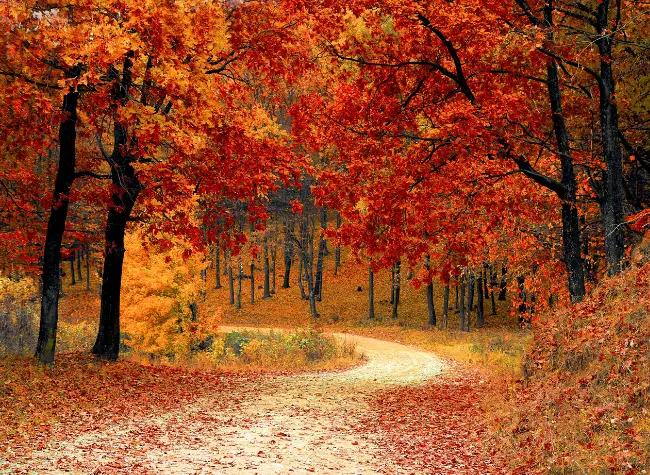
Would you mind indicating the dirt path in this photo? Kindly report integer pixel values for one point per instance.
(300, 424)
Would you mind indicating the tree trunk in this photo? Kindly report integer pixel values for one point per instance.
(274, 254)
(493, 283)
(480, 315)
(126, 187)
(217, 267)
(337, 251)
(73, 281)
(570, 223)
(371, 292)
(392, 284)
(288, 251)
(504, 284)
(486, 270)
(430, 303)
(307, 254)
(79, 273)
(267, 272)
(470, 299)
(303, 295)
(461, 317)
(322, 248)
(613, 194)
(240, 277)
(51, 276)
(252, 282)
(231, 284)
(107, 343)
(445, 307)
(396, 292)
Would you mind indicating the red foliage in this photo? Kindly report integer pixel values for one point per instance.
(438, 427)
(86, 394)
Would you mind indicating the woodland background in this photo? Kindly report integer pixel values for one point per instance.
(471, 177)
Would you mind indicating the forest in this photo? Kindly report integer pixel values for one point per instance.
(278, 236)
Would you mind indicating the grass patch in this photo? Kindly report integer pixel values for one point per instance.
(494, 350)
(259, 350)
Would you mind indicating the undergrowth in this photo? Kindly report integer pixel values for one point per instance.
(300, 350)
(583, 403)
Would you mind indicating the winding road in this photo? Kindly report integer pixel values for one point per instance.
(309, 423)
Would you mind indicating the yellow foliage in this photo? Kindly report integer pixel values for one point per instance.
(157, 290)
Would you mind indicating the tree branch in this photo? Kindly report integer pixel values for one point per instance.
(90, 174)
(460, 75)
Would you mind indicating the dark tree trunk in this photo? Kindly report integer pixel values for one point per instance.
(225, 259)
(566, 189)
(252, 282)
(267, 272)
(51, 277)
(570, 224)
(430, 305)
(480, 315)
(274, 255)
(445, 307)
(108, 337)
(493, 283)
(485, 279)
(303, 295)
(523, 307)
(80, 276)
(504, 284)
(240, 277)
(127, 187)
(457, 287)
(288, 251)
(217, 267)
(430, 302)
(392, 284)
(231, 284)
(307, 255)
(73, 281)
(461, 318)
(396, 292)
(471, 284)
(337, 251)
(371, 292)
(322, 249)
(613, 193)
(194, 311)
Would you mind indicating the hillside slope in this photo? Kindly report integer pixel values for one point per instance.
(584, 401)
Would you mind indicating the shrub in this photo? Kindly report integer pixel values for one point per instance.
(277, 350)
(18, 315)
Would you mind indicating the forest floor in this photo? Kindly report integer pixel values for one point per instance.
(404, 411)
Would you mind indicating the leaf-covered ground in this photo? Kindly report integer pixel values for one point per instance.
(152, 420)
(438, 427)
